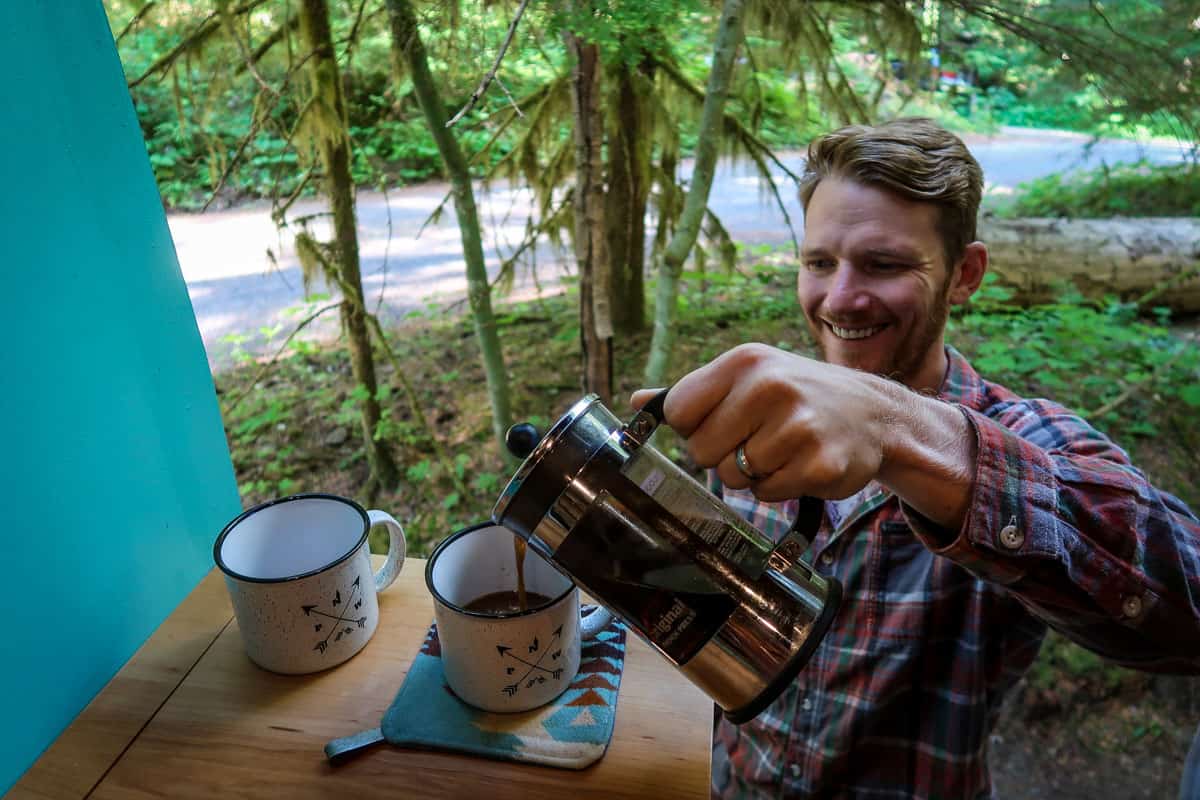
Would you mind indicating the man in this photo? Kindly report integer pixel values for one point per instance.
(961, 519)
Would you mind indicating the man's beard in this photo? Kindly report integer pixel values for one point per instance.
(906, 361)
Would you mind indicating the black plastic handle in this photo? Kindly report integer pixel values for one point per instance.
(655, 406)
(639, 429)
(808, 520)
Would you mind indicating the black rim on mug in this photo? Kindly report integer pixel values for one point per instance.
(228, 529)
(449, 540)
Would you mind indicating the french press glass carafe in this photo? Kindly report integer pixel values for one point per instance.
(737, 613)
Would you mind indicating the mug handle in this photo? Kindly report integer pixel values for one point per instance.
(396, 548)
(594, 622)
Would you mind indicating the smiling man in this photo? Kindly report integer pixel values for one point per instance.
(961, 519)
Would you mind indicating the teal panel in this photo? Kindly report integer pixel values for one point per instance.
(116, 475)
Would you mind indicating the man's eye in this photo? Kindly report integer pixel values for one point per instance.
(888, 266)
(816, 264)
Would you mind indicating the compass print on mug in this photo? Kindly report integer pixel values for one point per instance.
(341, 619)
(534, 665)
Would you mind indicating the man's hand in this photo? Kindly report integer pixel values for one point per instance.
(813, 428)
(809, 427)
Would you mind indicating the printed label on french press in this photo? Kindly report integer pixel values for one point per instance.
(703, 514)
(636, 558)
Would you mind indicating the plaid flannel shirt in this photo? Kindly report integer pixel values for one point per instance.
(900, 696)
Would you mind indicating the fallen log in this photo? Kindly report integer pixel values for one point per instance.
(1123, 256)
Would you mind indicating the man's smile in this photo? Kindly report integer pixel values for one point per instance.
(854, 333)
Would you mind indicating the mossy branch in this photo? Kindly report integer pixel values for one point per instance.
(410, 392)
(129, 26)
(755, 147)
(491, 75)
(195, 40)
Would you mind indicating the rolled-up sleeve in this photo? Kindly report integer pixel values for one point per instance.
(1060, 517)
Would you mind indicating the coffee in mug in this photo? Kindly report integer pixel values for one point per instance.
(496, 656)
(507, 602)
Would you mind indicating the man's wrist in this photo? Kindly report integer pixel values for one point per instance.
(928, 455)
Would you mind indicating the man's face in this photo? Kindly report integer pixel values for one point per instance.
(874, 284)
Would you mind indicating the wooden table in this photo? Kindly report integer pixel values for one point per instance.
(190, 716)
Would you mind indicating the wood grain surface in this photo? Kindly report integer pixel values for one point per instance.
(232, 729)
(77, 760)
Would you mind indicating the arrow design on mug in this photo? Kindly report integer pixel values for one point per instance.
(556, 674)
(337, 628)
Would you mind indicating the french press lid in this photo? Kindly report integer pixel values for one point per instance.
(551, 464)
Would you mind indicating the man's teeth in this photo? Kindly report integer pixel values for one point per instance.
(855, 333)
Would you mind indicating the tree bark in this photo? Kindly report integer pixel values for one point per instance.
(591, 246)
(406, 39)
(1127, 257)
(334, 146)
(629, 151)
(729, 37)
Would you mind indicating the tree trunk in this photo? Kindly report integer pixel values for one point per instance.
(729, 37)
(334, 146)
(629, 150)
(1124, 257)
(591, 246)
(407, 39)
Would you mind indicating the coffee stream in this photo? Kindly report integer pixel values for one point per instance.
(519, 545)
(508, 601)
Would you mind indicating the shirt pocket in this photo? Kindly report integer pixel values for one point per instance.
(924, 600)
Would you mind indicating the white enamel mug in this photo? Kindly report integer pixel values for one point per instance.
(511, 661)
(299, 573)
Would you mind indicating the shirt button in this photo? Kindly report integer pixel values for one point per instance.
(1131, 606)
(795, 770)
(1011, 536)
(827, 558)
(807, 704)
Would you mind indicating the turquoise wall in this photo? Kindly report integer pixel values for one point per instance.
(116, 477)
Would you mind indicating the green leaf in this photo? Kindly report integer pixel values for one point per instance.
(486, 482)
(419, 471)
(1190, 394)
(450, 501)
(1143, 428)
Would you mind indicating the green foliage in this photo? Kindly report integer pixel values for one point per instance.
(1060, 658)
(1082, 354)
(1136, 190)
(1120, 68)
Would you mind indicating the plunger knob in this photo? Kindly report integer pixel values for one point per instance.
(521, 439)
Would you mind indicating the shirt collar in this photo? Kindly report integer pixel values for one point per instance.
(962, 383)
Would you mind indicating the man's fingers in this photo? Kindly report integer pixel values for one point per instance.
(725, 427)
(695, 396)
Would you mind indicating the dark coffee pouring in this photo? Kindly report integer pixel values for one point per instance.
(735, 612)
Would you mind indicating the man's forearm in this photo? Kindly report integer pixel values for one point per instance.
(929, 456)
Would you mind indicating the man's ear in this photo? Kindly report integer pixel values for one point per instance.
(969, 273)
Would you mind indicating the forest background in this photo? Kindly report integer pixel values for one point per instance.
(612, 115)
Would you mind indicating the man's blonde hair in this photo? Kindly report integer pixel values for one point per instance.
(914, 157)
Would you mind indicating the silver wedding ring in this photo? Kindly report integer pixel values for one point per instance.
(739, 458)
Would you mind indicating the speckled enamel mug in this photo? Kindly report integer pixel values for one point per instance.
(299, 573)
(512, 661)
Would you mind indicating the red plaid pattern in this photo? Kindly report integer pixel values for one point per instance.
(900, 696)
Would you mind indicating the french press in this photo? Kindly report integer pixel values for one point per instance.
(736, 613)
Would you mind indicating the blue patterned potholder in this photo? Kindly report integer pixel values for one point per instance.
(571, 732)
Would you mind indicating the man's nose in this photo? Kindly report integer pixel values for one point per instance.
(846, 292)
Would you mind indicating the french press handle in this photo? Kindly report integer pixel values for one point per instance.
(639, 429)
